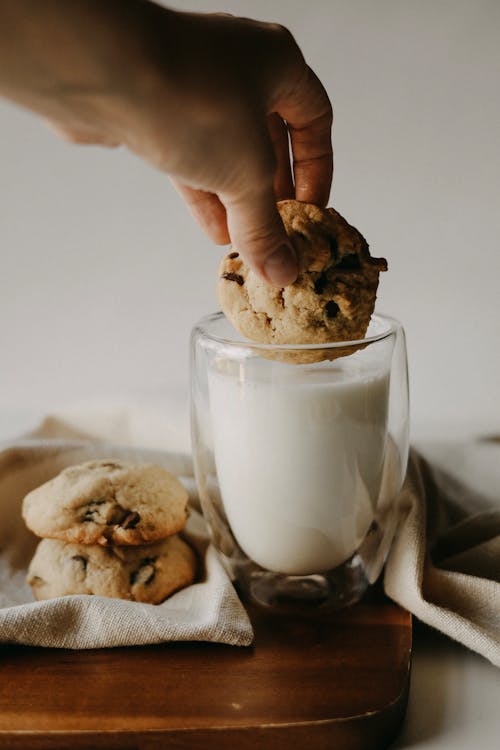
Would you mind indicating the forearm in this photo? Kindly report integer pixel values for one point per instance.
(57, 51)
(214, 101)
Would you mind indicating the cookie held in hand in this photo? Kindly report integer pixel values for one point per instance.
(147, 573)
(333, 297)
(108, 502)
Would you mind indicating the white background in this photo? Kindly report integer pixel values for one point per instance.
(103, 272)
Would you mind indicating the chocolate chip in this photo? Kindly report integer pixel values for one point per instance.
(232, 256)
(233, 277)
(320, 283)
(130, 521)
(92, 512)
(349, 262)
(104, 511)
(36, 581)
(331, 309)
(145, 573)
(82, 560)
(334, 248)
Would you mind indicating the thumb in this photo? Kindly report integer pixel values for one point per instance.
(257, 232)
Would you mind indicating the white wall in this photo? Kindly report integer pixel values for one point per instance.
(103, 272)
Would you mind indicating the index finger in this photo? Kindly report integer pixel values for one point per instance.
(309, 116)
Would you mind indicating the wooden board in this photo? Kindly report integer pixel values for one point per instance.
(340, 682)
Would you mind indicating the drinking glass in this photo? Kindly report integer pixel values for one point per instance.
(300, 453)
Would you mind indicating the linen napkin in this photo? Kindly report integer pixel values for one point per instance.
(444, 565)
(209, 610)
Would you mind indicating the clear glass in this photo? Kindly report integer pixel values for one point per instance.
(300, 454)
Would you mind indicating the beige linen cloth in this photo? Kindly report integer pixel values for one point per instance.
(209, 610)
(444, 565)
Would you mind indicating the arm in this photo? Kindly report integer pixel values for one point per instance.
(210, 99)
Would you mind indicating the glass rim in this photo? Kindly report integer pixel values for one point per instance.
(391, 327)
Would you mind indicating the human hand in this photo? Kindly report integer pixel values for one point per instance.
(212, 100)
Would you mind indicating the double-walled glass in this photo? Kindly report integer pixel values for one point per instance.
(300, 454)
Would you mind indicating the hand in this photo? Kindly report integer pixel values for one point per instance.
(212, 100)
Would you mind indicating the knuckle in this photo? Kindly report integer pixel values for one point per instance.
(328, 113)
(260, 241)
(284, 44)
(285, 35)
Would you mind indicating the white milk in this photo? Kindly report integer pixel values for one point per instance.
(299, 460)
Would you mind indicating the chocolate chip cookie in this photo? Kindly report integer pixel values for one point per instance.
(142, 574)
(108, 502)
(333, 297)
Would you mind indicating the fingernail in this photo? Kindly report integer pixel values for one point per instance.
(281, 267)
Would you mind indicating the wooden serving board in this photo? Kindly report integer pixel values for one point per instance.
(340, 682)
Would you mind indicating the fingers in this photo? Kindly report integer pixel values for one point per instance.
(308, 113)
(257, 232)
(252, 222)
(283, 182)
(207, 210)
(312, 161)
(255, 228)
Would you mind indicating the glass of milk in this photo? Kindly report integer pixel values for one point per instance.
(300, 453)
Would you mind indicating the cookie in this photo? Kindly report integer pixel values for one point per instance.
(333, 297)
(148, 573)
(107, 502)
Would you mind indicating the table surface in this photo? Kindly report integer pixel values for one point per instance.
(453, 700)
(310, 678)
(454, 697)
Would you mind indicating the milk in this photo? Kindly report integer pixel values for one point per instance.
(299, 456)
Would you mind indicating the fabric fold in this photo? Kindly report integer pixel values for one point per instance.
(444, 564)
(209, 610)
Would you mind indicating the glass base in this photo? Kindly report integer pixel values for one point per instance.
(332, 590)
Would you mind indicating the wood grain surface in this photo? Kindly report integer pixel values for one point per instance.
(338, 681)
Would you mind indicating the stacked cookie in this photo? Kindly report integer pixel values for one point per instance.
(110, 528)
